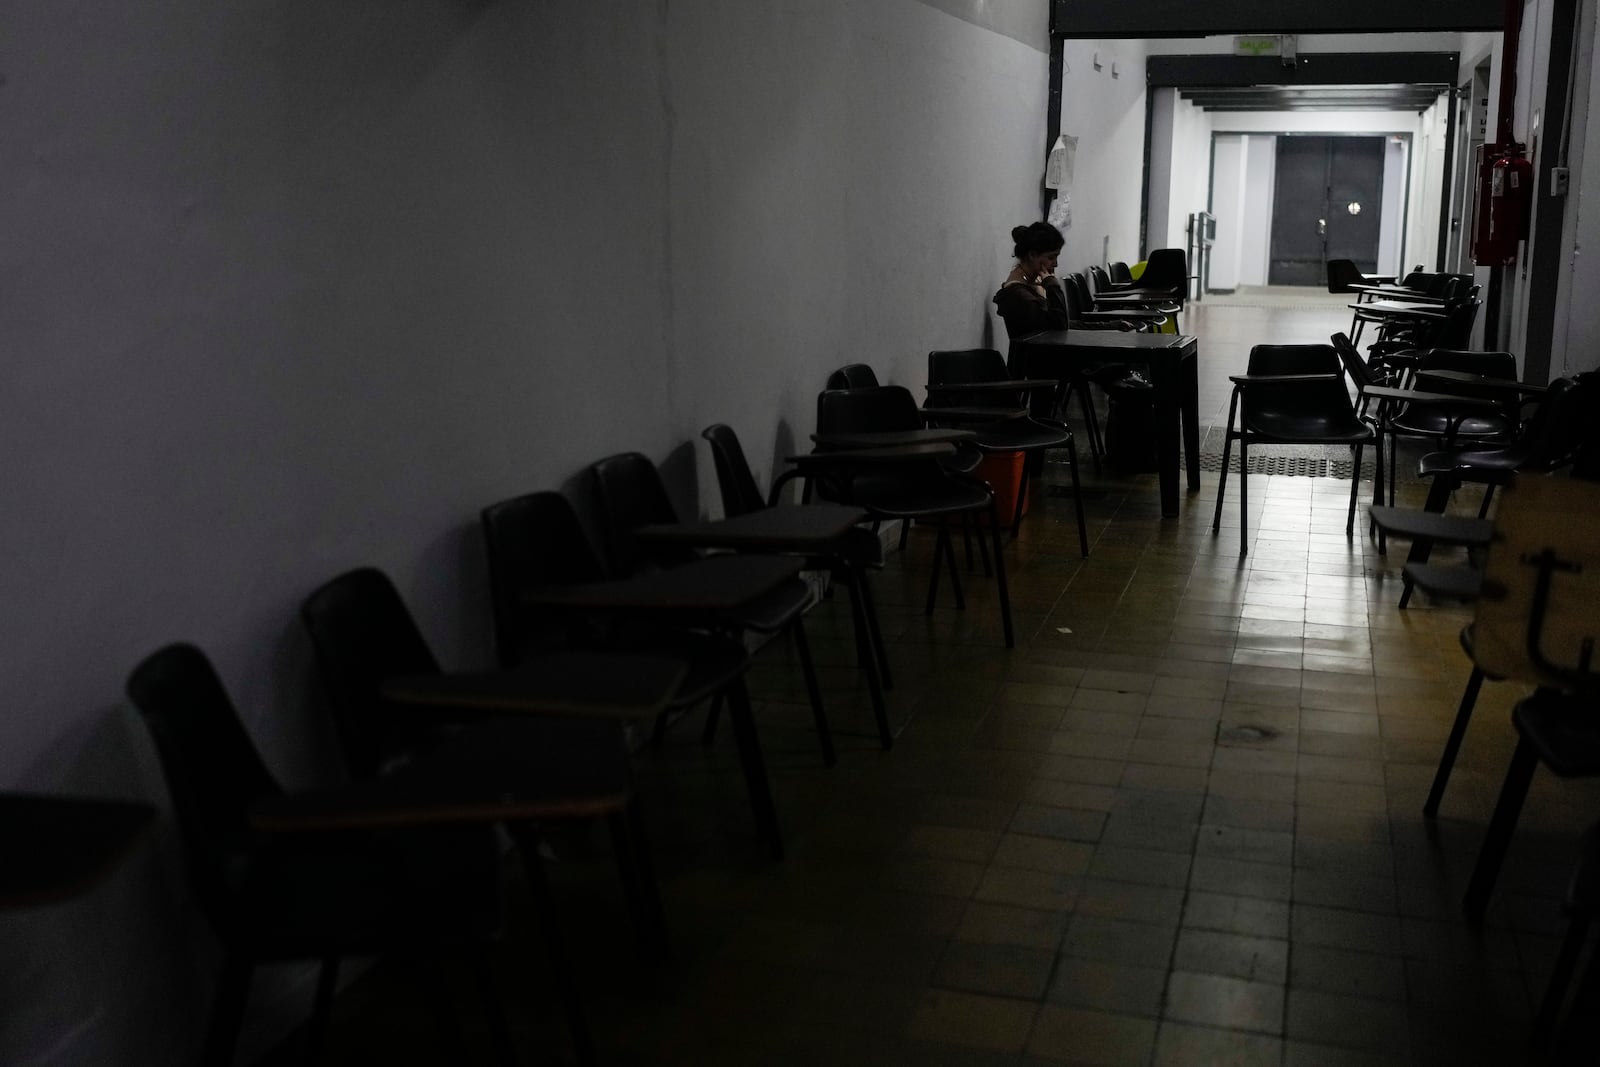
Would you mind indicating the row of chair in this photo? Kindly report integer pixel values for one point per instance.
(404, 858)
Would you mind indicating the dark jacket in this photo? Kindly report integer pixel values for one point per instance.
(1026, 312)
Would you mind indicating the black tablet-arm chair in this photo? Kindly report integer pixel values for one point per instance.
(630, 494)
(968, 383)
(365, 638)
(1470, 422)
(1401, 345)
(536, 542)
(1344, 275)
(1293, 394)
(897, 487)
(847, 560)
(273, 897)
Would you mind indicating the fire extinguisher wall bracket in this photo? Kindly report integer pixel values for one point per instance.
(1501, 206)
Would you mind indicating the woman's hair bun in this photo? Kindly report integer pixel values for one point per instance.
(1019, 234)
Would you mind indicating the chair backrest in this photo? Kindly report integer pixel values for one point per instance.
(1343, 274)
(1099, 280)
(968, 365)
(629, 494)
(364, 635)
(1500, 365)
(1120, 274)
(213, 771)
(887, 407)
(1418, 279)
(961, 366)
(740, 494)
(1565, 426)
(533, 540)
(1293, 359)
(1076, 290)
(1359, 369)
(853, 376)
(1167, 271)
(1298, 397)
(1456, 330)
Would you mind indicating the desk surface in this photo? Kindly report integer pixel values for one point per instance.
(608, 684)
(1399, 308)
(839, 457)
(702, 587)
(891, 438)
(795, 527)
(57, 847)
(507, 770)
(1112, 339)
(1478, 383)
(1399, 293)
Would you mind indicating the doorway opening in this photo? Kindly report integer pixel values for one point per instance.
(1327, 204)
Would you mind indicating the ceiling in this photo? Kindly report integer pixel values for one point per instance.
(1313, 97)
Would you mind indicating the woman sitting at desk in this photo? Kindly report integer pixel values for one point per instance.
(1031, 298)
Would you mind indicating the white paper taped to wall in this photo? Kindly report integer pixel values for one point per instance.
(1059, 165)
(1061, 212)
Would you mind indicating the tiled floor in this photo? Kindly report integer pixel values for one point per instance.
(1179, 823)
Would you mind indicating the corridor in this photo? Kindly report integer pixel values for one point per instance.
(1179, 824)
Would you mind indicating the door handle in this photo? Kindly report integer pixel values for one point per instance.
(1322, 227)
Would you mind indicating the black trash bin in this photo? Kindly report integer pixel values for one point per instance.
(1130, 424)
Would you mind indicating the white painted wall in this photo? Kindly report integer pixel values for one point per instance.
(1391, 225)
(1261, 171)
(1189, 181)
(1576, 344)
(1230, 160)
(1158, 201)
(1107, 115)
(294, 287)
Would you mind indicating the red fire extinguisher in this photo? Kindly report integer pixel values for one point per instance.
(1500, 209)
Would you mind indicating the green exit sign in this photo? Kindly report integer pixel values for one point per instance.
(1257, 46)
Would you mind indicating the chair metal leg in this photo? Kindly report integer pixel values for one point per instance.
(754, 765)
(1091, 420)
(819, 714)
(1355, 486)
(1227, 447)
(939, 545)
(321, 1010)
(494, 1009)
(227, 1011)
(1488, 497)
(875, 631)
(1555, 992)
(869, 661)
(1394, 458)
(955, 574)
(714, 713)
(1222, 482)
(968, 525)
(544, 907)
(1000, 575)
(1244, 496)
(637, 871)
(427, 970)
(1498, 837)
(1452, 744)
(1077, 499)
(1016, 512)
